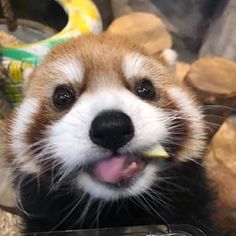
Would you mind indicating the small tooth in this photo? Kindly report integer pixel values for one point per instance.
(133, 165)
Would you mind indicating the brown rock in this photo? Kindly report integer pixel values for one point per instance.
(221, 165)
(186, 19)
(144, 28)
(214, 81)
(181, 70)
(213, 75)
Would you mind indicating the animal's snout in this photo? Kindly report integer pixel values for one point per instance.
(111, 129)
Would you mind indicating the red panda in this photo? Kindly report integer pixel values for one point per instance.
(76, 141)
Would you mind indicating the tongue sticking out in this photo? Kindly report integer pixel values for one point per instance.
(118, 168)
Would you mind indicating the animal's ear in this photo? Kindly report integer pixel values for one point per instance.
(26, 77)
(168, 58)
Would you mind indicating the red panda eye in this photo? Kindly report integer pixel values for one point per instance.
(145, 89)
(63, 97)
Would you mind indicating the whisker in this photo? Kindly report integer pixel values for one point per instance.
(151, 207)
(85, 211)
(66, 217)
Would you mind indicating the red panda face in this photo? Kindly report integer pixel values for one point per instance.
(92, 108)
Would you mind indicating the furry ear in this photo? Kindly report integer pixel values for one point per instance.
(26, 77)
(168, 58)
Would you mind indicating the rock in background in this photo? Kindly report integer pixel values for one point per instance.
(187, 20)
(198, 27)
(221, 163)
(214, 82)
(143, 28)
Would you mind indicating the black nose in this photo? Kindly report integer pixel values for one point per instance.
(111, 129)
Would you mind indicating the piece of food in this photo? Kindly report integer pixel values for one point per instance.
(156, 152)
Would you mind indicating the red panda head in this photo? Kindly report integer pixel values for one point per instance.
(93, 106)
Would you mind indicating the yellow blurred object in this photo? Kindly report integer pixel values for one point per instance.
(83, 18)
(156, 152)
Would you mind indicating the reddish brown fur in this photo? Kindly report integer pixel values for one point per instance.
(100, 55)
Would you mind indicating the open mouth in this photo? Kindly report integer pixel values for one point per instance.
(118, 170)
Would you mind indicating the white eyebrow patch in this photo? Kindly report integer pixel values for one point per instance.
(71, 68)
(132, 64)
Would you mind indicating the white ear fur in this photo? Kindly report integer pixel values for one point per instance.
(169, 57)
(26, 75)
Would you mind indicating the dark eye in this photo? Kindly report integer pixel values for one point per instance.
(63, 97)
(145, 89)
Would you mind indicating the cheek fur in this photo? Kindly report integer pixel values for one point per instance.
(24, 117)
(190, 129)
(178, 127)
(150, 123)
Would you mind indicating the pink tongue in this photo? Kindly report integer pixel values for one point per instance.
(115, 169)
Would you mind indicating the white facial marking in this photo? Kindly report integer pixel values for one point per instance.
(22, 121)
(71, 68)
(196, 142)
(133, 64)
(70, 135)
